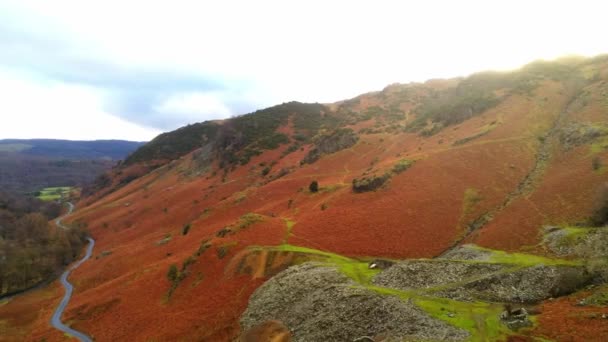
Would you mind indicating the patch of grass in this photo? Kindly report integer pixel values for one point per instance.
(355, 269)
(54, 193)
(571, 236)
(248, 220)
(599, 145)
(289, 224)
(598, 298)
(480, 319)
(525, 260)
(164, 240)
(470, 198)
(240, 197)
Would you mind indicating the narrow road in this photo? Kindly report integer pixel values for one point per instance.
(56, 319)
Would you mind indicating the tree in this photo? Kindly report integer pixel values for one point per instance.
(186, 229)
(314, 186)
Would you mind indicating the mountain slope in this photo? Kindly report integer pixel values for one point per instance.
(71, 149)
(412, 171)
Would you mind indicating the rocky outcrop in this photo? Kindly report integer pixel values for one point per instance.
(326, 144)
(468, 252)
(575, 134)
(590, 244)
(579, 242)
(320, 304)
(494, 282)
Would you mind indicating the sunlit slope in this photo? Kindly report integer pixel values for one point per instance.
(488, 159)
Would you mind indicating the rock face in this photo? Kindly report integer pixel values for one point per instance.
(580, 242)
(467, 252)
(484, 281)
(320, 304)
(590, 244)
(334, 142)
(576, 134)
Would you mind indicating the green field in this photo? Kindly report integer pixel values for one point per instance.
(54, 193)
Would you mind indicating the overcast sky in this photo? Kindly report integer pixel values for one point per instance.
(132, 69)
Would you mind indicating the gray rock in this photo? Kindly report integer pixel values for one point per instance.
(576, 134)
(320, 304)
(587, 243)
(467, 252)
(484, 281)
(516, 319)
(331, 143)
(417, 274)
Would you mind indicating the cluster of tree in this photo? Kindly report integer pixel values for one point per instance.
(31, 250)
(13, 206)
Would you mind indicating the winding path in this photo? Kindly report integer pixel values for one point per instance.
(56, 319)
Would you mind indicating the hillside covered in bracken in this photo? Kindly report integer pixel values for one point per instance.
(458, 209)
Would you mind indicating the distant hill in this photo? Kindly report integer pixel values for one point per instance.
(30, 165)
(70, 149)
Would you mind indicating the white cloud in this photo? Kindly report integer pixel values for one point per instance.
(54, 110)
(195, 106)
(267, 52)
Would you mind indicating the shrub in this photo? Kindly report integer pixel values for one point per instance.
(599, 215)
(205, 244)
(370, 183)
(266, 170)
(402, 165)
(247, 220)
(186, 229)
(596, 163)
(314, 186)
(222, 251)
(173, 273)
(164, 240)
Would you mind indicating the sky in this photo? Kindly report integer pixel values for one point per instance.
(133, 69)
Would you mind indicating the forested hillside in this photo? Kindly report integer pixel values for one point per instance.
(31, 250)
